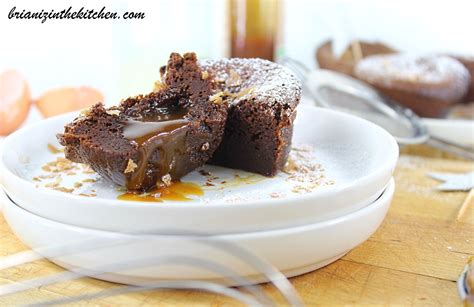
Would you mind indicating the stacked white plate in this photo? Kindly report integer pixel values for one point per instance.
(295, 223)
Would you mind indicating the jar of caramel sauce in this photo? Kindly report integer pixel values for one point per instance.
(254, 28)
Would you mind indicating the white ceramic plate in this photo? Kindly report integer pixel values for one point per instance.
(356, 158)
(292, 251)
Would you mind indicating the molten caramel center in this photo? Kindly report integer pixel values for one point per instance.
(162, 133)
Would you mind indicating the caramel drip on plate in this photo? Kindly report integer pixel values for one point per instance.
(177, 191)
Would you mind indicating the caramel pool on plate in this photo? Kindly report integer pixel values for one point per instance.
(177, 191)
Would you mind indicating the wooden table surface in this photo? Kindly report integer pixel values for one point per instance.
(414, 258)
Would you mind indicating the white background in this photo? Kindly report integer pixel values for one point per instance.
(122, 58)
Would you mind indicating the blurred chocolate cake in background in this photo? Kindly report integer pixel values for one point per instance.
(354, 52)
(432, 85)
(428, 85)
(468, 62)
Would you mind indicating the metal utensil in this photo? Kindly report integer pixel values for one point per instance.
(463, 288)
(247, 293)
(334, 90)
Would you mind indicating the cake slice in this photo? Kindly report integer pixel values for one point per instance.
(262, 98)
(150, 140)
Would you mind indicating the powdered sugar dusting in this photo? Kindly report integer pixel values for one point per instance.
(272, 83)
(411, 176)
(398, 70)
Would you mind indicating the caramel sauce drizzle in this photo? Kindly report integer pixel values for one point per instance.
(177, 191)
(168, 139)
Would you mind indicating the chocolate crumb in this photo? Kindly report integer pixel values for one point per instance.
(113, 112)
(88, 195)
(205, 146)
(234, 78)
(159, 86)
(52, 149)
(63, 189)
(204, 172)
(166, 180)
(216, 98)
(131, 166)
(85, 112)
(276, 195)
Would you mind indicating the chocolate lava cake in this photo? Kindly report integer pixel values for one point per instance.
(262, 98)
(153, 139)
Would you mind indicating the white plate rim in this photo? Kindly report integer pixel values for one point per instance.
(257, 203)
(387, 194)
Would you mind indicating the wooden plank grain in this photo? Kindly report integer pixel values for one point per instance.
(422, 247)
(420, 233)
(416, 193)
(346, 282)
(341, 283)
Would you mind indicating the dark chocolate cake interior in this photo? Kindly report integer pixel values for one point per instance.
(150, 140)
